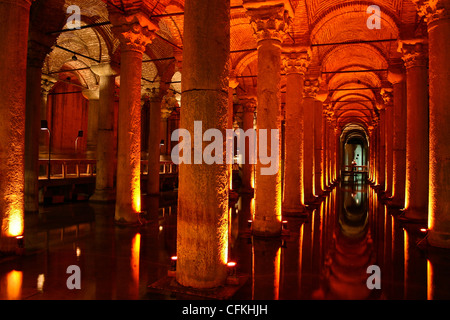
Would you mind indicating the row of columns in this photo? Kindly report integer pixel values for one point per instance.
(409, 153)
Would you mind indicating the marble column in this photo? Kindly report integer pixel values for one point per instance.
(202, 221)
(325, 148)
(134, 33)
(438, 21)
(106, 143)
(93, 97)
(248, 108)
(416, 196)
(396, 77)
(13, 63)
(311, 88)
(295, 65)
(387, 94)
(232, 85)
(269, 24)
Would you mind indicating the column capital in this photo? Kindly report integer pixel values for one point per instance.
(92, 94)
(296, 60)
(135, 31)
(387, 94)
(269, 19)
(248, 104)
(311, 88)
(168, 104)
(415, 52)
(47, 83)
(396, 73)
(433, 10)
(105, 69)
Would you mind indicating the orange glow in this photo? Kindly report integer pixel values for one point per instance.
(423, 230)
(135, 253)
(14, 285)
(14, 223)
(430, 292)
(252, 208)
(276, 283)
(174, 258)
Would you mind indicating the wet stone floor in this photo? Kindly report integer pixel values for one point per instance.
(325, 255)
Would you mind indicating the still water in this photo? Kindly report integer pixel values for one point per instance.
(322, 256)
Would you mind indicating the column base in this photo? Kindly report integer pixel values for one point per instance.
(103, 196)
(438, 239)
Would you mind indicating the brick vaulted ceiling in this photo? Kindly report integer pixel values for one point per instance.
(324, 24)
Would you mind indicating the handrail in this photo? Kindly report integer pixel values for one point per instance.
(356, 168)
(77, 168)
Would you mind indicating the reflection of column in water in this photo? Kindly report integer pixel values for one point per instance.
(397, 259)
(415, 268)
(387, 278)
(437, 270)
(14, 285)
(135, 256)
(266, 268)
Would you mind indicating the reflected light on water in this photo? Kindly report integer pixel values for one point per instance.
(14, 280)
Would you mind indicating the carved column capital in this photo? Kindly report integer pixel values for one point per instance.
(47, 83)
(248, 104)
(269, 22)
(311, 88)
(135, 32)
(296, 61)
(415, 52)
(433, 10)
(388, 96)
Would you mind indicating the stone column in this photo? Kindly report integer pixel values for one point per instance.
(168, 103)
(386, 93)
(249, 108)
(13, 62)
(34, 95)
(134, 33)
(106, 154)
(318, 148)
(438, 20)
(154, 144)
(311, 88)
(202, 222)
(381, 156)
(93, 96)
(295, 65)
(269, 24)
(399, 143)
(232, 84)
(325, 149)
(416, 197)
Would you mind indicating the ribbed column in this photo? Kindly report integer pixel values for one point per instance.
(269, 23)
(311, 88)
(416, 201)
(396, 77)
(438, 20)
(295, 64)
(202, 221)
(134, 33)
(13, 62)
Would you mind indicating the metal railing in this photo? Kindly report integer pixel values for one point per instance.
(79, 168)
